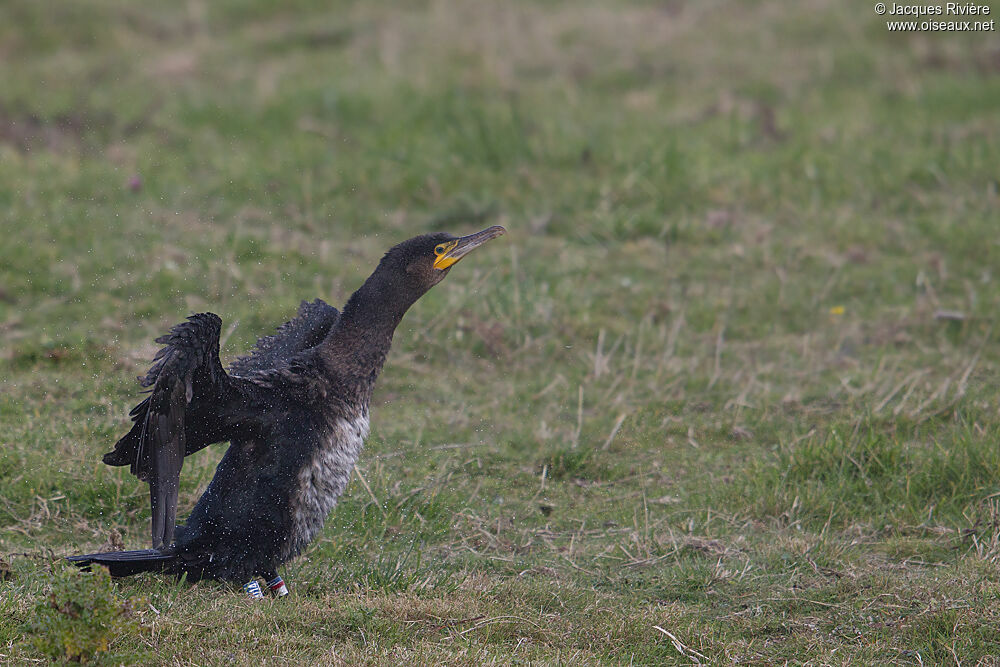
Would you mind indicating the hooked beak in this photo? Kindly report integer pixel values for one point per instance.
(461, 247)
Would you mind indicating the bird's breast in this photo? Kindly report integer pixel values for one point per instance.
(324, 477)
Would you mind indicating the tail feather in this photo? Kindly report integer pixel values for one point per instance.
(125, 563)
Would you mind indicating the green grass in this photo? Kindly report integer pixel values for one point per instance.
(699, 389)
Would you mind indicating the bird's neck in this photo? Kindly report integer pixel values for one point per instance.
(357, 346)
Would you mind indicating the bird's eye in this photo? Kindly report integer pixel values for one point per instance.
(440, 249)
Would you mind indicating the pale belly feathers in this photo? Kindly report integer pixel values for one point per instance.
(321, 482)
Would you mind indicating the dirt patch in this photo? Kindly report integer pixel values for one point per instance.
(28, 132)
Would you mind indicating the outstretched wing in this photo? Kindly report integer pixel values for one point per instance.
(191, 404)
(307, 329)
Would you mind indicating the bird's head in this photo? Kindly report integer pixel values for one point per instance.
(423, 261)
(409, 270)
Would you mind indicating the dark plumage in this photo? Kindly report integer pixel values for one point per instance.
(295, 411)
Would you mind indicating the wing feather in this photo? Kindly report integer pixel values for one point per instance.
(186, 384)
(307, 329)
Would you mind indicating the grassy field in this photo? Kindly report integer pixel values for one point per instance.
(700, 404)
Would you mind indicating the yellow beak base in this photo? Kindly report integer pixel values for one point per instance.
(444, 261)
(459, 248)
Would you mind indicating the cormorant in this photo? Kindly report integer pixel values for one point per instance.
(295, 411)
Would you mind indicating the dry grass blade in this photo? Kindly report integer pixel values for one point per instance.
(614, 431)
(720, 341)
(364, 483)
(497, 619)
(908, 380)
(686, 651)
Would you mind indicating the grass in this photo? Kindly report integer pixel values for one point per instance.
(700, 404)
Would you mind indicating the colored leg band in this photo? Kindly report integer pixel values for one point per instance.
(277, 586)
(252, 589)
